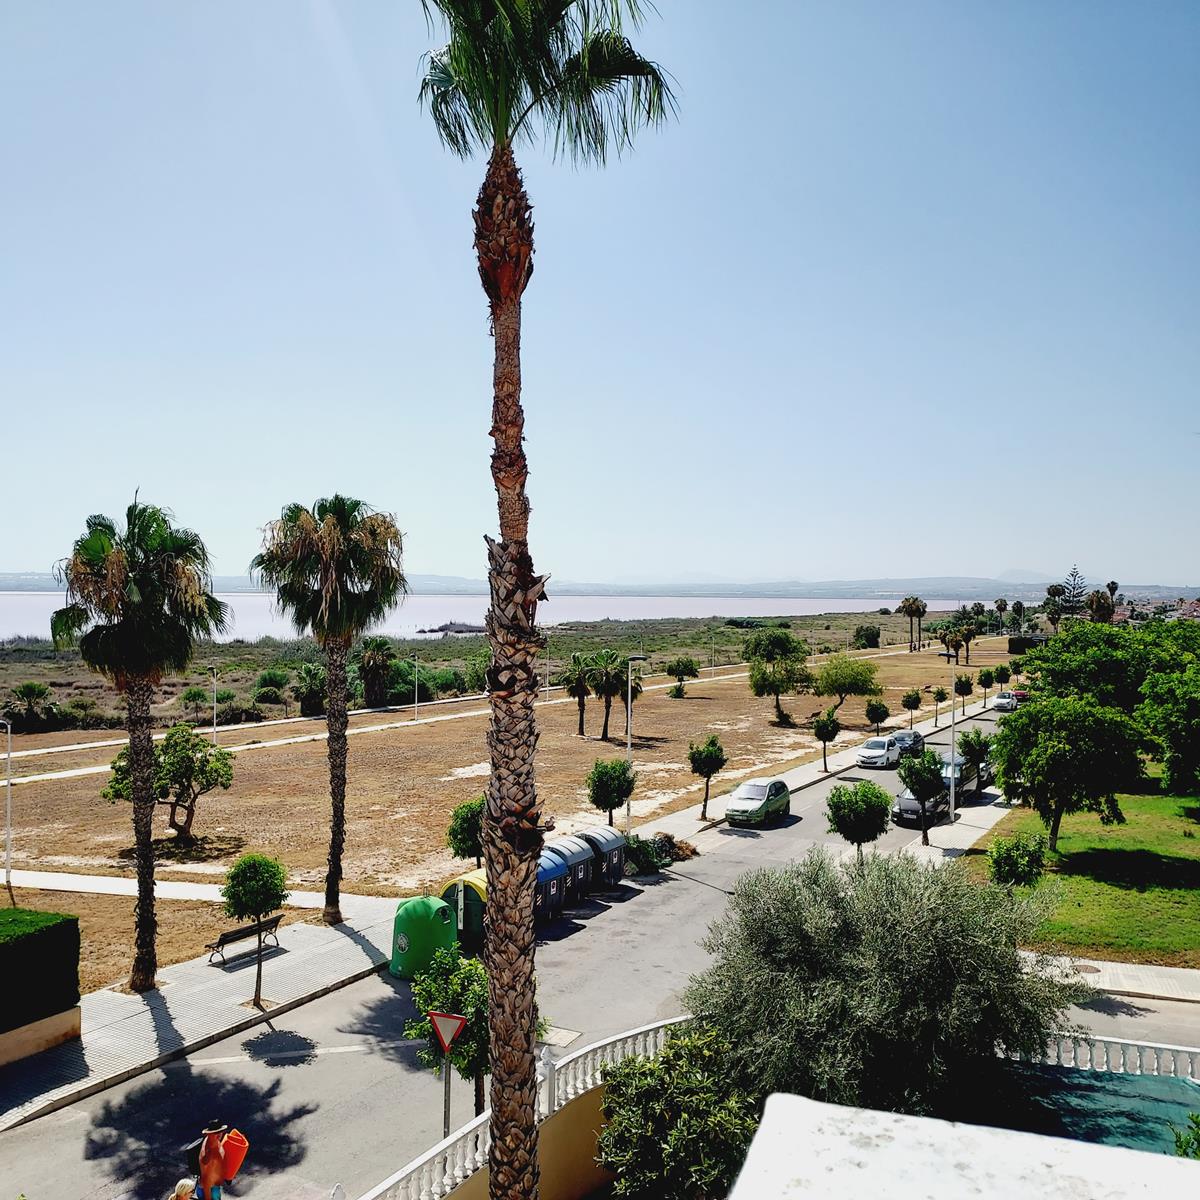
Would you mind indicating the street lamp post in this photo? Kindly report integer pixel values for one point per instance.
(214, 675)
(416, 685)
(629, 727)
(8, 808)
(953, 743)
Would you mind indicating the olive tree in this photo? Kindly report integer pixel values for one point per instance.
(706, 760)
(465, 833)
(610, 783)
(826, 727)
(777, 666)
(679, 669)
(817, 991)
(254, 888)
(842, 676)
(860, 813)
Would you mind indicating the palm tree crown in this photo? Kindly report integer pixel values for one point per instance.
(138, 597)
(336, 568)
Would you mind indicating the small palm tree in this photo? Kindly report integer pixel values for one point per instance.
(137, 600)
(1113, 588)
(606, 678)
(337, 569)
(374, 658)
(31, 694)
(908, 608)
(572, 677)
(1001, 609)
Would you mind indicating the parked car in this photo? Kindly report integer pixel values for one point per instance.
(1020, 695)
(755, 800)
(1005, 702)
(909, 741)
(965, 773)
(906, 810)
(879, 752)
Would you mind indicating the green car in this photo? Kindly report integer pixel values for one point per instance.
(755, 800)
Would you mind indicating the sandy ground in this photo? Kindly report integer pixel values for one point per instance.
(403, 782)
(106, 930)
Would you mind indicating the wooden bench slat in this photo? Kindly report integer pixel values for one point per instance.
(269, 926)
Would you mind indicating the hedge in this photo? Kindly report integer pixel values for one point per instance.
(39, 964)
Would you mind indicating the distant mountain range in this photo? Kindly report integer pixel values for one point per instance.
(1014, 585)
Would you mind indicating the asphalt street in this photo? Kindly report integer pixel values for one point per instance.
(331, 1093)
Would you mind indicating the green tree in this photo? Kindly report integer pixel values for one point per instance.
(1068, 754)
(610, 783)
(817, 993)
(1001, 674)
(1052, 611)
(974, 745)
(194, 698)
(877, 712)
(911, 702)
(309, 689)
(922, 775)
(453, 984)
(573, 677)
(255, 887)
(1170, 712)
(475, 669)
(777, 661)
(1017, 861)
(1100, 606)
(465, 834)
(1187, 1141)
(860, 813)
(964, 685)
(186, 767)
(273, 677)
(908, 607)
(706, 760)
(336, 570)
(226, 695)
(866, 637)
(968, 633)
(826, 727)
(679, 669)
(1001, 607)
(137, 599)
(506, 73)
(842, 676)
(940, 696)
(921, 609)
(31, 693)
(1074, 594)
(606, 678)
(674, 1129)
(987, 679)
(373, 658)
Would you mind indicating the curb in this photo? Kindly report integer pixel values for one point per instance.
(100, 1085)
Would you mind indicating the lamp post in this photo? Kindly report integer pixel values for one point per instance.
(416, 685)
(8, 808)
(214, 675)
(953, 743)
(629, 726)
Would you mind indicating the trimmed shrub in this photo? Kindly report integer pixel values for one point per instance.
(1017, 861)
(39, 964)
(268, 695)
(644, 856)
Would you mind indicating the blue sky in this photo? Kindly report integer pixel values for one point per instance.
(908, 289)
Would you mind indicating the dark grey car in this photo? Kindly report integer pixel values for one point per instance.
(906, 810)
(909, 741)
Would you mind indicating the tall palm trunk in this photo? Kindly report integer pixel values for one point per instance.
(581, 700)
(512, 834)
(138, 695)
(607, 714)
(336, 721)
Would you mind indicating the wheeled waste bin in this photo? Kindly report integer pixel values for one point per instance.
(609, 848)
(423, 925)
(551, 885)
(578, 856)
(467, 897)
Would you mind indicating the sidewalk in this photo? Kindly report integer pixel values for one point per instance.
(194, 1005)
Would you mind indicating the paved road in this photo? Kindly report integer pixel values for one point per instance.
(331, 1093)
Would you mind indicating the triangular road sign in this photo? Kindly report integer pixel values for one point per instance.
(446, 1027)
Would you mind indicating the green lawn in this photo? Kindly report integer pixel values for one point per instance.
(1128, 892)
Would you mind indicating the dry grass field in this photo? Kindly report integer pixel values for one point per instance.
(404, 781)
(106, 930)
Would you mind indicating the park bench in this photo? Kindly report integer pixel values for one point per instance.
(267, 928)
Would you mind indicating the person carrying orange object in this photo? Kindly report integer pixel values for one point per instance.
(212, 1161)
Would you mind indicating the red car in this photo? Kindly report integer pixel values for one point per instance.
(1020, 695)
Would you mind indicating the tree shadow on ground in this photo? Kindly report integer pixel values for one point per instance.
(142, 1138)
(281, 1048)
(1191, 812)
(1134, 869)
(210, 848)
(383, 1020)
(1114, 1006)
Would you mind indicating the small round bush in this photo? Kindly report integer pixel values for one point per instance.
(1017, 861)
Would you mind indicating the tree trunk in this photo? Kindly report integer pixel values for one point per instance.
(704, 806)
(512, 823)
(138, 695)
(480, 1095)
(258, 974)
(1055, 822)
(582, 701)
(610, 817)
(935, 714)
(336, 721)
(910, 634)
(824, 759)
(607, 714)
(919, 619)
(858, 847)
(778, 709)
(182, 831)
(924, 826)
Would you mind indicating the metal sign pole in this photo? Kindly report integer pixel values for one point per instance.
(446, 1103)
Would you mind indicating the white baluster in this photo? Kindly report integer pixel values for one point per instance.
(548, 1069)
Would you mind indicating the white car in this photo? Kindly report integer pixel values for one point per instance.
(1005, 702)
(879, 752)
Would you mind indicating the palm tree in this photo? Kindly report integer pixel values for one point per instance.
(374, 658)
(922, 609)
(967, 632)
(572, 677)
(1113, 588)
(1001, 609)
(1052, 611)
(908, 608)
(631, 688)
(1100, 606)
(507, 73)
(955, 642)
(137, 599)
(336, 569)
(606, 678)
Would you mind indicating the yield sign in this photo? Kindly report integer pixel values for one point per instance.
(446, 1027)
